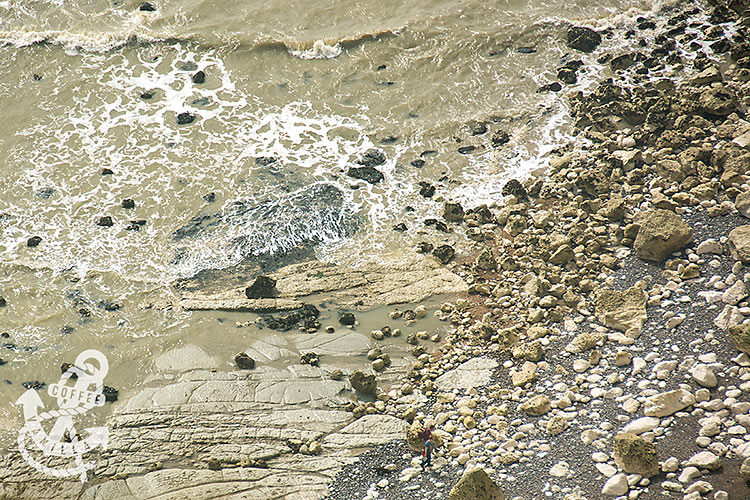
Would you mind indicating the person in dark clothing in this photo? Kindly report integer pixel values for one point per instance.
(427, 453)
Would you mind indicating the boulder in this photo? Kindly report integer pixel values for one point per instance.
(740, 337)
(739, 243)
(537, 405)
(661, 233)
(635, 455)
(347, 319)
(515, 188)
(372, 158)
(476, 485)
(719, 100)
(444, 253)
(583, 39)
(742, 203)
(486, 261)
(667, 403)
(244, 362)
(367, 174)
(262, 288)
(453, 211)
(363, 382)
(624, 311)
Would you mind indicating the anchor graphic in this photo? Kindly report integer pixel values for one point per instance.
(63, 440)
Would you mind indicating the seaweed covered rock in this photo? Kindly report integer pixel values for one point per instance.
(476, 485)
(635, 455)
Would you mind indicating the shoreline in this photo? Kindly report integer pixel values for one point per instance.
(533, 283)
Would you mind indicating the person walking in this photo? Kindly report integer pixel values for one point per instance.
(427, 450)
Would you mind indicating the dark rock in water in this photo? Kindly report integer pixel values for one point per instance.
(418, 163)
(526, 50)
(310, 358)
(33, 241)
(128, 203)
(622, 62)
(389, 139)
(722, 14)
(550, 87)
(575, 64)
(444, 253)
(146, 7)
(481, 214)
(479, 129)
(66, 330)
(307, 315)
(3, 362)
(109, 306)
(567, 75)
(106, 171)
(500, 138)
(199, 77)
(646, 25)
(201, 101)
(36, 385)
(426, 189)
(262, 288)
(5, 335)
(721, 46)
(3, 302)
(45, 193)
(264, 161)
(110, 394)
(515, 188)
(135, 225)
(424, 247)
(147, 95)
(184, 118)
(381, 67)
(427, 152)
(244, 362)
(401, 227)
(367, 174)
(37, 77)
(104, 221)
(372, 158)
(464, 150)
(453, 211)
(209, 197)
(439, 225)
(583, 39)
(347, 319)
(363, 383)
(85, 313)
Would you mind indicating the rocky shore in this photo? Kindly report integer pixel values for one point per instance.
(599, 325)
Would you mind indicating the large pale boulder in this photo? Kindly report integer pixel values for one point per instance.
(476, 485)
(662, 232)
(635, 455)
(739, 243)
(624, 311)
(667, 403)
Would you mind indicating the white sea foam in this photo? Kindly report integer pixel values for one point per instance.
(319, 50)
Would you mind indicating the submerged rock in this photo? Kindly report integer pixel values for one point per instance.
(476, 485)
(347, 319)
(146, 7)
(33, 241)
